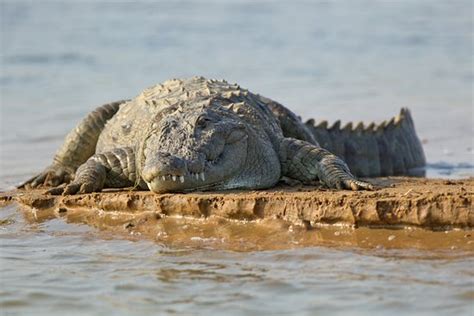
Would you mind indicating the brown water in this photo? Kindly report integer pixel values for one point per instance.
(50, 267)
(358, 60)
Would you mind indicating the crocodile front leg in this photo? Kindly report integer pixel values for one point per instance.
(306, 162)
(78, 146)
(113, 169)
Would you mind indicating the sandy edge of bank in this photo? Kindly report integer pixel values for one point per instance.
(427, 203)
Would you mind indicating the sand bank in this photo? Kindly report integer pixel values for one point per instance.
(276, 218)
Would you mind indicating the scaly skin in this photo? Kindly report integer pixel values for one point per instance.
(306, 162)
(386, 149)
(199, 134)
(78, 146)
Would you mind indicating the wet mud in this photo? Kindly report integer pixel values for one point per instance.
(403, 212)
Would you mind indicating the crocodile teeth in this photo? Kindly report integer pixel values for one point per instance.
(174, 178)
(181, 179)
(202, 176)
(163, 178)
(197, 176)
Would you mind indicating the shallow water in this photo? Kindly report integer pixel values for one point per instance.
(352, 61)
(50, 267)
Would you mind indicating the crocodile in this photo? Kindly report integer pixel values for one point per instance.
(204, 134)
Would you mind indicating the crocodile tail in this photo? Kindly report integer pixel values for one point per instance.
(386, 149)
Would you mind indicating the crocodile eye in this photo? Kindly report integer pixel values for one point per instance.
(203, 121)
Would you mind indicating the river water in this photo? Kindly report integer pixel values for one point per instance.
(348, 60)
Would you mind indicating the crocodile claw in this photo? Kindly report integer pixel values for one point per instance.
(356, 185)
(74, 187)
(336, 175)
(80, 188)
(56, 190)
(53, 175)
(349, 183)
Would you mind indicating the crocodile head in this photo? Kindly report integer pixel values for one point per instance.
(199, 148)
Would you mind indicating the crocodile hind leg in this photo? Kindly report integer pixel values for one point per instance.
(307, 162)
(78, 146)
(290, 123)
(113, 169)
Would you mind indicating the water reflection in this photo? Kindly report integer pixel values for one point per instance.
(358, 60)
(65, 266)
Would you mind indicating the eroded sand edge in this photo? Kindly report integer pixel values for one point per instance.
(276, 218)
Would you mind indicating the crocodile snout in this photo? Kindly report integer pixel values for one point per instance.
(167, 167)
(163, 164)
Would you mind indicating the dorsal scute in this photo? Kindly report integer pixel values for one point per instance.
(190, 97)
(173, 91)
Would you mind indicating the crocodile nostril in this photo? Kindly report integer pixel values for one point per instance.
(149, 173)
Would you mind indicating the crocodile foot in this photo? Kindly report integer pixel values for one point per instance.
(53, 175)
(336, 175)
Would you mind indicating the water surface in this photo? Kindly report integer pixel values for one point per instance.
(349, 60)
